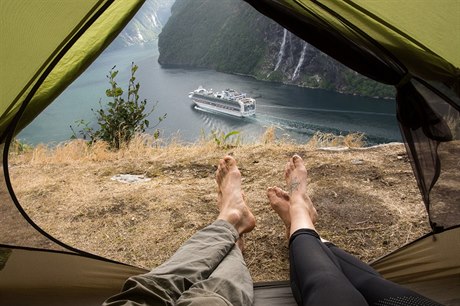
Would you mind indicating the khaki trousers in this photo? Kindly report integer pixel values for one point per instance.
(208, 269)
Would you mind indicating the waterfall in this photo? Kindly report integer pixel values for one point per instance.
(281, 53)
(139, 37)
(156, 22)
(301, 59)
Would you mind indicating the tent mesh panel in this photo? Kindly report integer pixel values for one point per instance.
(434, 147)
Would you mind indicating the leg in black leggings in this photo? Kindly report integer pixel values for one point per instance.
(322, 275)
(316, 276)
(375, 289)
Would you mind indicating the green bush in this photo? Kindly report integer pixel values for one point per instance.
(222, 140)
(122, 119)
(18, 147)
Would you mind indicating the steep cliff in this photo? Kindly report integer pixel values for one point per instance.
(230, 36)
(146, 24)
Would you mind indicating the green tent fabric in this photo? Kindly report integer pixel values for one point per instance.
(411, 44)
(429, 265)
(47, 44)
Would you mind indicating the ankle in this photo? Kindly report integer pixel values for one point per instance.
(298, 199)
(232, 216)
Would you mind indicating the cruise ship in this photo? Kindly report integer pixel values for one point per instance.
(228, 101)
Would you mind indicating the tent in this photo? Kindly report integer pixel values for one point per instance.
(411, 44)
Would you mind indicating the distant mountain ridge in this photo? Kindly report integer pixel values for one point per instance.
(146, 24)
(230, 36)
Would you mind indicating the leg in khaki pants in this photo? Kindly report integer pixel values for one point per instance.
(208, 269)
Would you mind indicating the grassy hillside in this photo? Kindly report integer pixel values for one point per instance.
(367, 199)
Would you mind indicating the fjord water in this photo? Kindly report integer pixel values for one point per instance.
(296, 112)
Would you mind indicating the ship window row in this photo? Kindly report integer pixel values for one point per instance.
(221, 105)
(208, 98)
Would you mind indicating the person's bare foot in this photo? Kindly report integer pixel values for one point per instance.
(279, 201)
(232, 206)
(296, 176)
(302, 212)
(240, 242)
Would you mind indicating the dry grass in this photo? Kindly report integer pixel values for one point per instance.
(325, 140)
(367, 200)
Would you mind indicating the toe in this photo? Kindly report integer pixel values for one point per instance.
(230, 161)
(221, 171)
(270, 192)
(297, 160)
(223, 165)
(286, 196)
(281, 193)
(218, 177)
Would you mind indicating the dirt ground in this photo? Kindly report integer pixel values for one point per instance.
(367, 199)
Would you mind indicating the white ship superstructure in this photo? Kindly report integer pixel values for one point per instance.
(228, 101)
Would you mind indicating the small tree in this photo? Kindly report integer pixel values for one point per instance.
(122, 119)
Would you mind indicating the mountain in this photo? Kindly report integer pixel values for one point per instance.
(146, 24)
(230, 36)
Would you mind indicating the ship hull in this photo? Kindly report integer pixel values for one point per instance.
(218, 109)
(227, 102)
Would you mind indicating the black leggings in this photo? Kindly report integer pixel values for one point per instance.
(323, 274)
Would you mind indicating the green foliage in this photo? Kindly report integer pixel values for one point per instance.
(19, 147)
(122, 119)
(275, 76)
(326, 84)
(223, 140)
(311, 81)
(356, 83)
